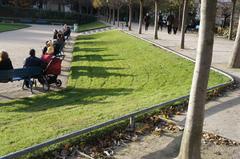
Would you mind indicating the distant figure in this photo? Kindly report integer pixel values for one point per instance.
(126, 21)
(65, 27)
(5, 62)
(175, 25)
(58, 45)
(50, 48)
(44, 50)
(160, 22)
(147, 21)
(170, 20)
(55, 32)
(67, 32)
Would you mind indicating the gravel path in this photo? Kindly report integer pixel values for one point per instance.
(17, 44)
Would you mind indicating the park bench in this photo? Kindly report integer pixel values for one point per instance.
(20, 74)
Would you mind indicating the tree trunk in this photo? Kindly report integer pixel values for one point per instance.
(156, 20)
(180, 11)
(114, 19)
(235, 59)
(110, 16)
(184, 25)
(140, 17)
(232, 20)
(130, 16)
(191, 141)
(118, 15)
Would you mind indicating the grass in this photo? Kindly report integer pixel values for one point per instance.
(91, 26)
(9, 27)
(112, 74)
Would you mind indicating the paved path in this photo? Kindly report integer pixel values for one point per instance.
(222, 115)
(17, 44)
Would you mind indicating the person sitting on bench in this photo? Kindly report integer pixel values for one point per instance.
(5, 62)
(50, 48)
(33, 61)
(58, 45)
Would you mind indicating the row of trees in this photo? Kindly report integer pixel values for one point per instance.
(191, 140)
(111, 6)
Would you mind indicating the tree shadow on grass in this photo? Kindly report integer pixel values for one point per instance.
(72, 97)
(77, 49)
(97, 42)
(85, 38)
(94, 57)
(98, 72)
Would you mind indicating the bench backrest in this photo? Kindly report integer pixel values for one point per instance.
(20, 74)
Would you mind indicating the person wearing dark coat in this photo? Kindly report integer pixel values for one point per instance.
(5, 62)
(33, 61)
(55, 34)
(170, 20)
(147, 21)
(160, 22)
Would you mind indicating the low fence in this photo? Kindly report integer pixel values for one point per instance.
(130, 116)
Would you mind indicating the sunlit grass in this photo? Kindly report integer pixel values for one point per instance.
(9, 26)
(91, 26)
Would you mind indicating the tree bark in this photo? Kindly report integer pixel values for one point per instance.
(114, 19)
(180, 11)
(118, 15)
(232, 20)
(156, 20)
(184, 25)
(130, 15)
(140, 17)
(191, 141)
(110, 16)
(235, 59)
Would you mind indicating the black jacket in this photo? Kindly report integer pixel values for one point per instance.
(34, 62)
(6, 65)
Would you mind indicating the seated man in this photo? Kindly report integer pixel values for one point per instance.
(32, 61)
(58, 45)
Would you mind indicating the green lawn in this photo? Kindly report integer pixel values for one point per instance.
(112, 74)
(91, 26)
(9, 27)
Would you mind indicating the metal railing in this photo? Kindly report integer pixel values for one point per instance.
(130, 116)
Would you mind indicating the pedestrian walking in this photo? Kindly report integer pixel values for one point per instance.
(175, 25)
(147, 21)
(160, 22)
(170, 19)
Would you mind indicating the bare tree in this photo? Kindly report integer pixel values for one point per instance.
(130, 15)
(140, 17)
(235, 59)
(232, 20)
(180, 11)
(184, 23)
(191, 141)
(113, 15)
(156, 20)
